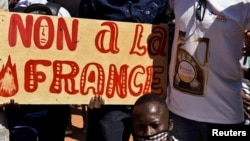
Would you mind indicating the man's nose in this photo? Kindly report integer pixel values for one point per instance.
(148, 131)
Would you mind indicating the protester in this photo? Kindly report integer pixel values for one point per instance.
(61, 11)
(40, 122)
(150, 119)
(112, 122)
(107, 122)
(205, 73)
(46, 122)
(4, 132)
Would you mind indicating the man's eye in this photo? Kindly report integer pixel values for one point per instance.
(142, 127)
(155, 126)
(139, 127)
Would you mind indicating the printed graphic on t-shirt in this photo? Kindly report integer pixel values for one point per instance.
(191, 59)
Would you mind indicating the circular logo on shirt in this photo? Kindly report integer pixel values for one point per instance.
(186, 71)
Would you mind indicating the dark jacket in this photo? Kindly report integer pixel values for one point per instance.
(143, 11)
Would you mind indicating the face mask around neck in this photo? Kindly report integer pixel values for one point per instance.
(161, 136)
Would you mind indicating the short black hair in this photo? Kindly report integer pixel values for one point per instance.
(150, 98)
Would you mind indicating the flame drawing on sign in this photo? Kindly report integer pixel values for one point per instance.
(8, 79)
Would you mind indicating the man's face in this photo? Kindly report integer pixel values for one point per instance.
(149, 118)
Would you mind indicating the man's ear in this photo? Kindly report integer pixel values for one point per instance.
(170, 125)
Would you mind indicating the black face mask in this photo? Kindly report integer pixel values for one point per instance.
(161, 136)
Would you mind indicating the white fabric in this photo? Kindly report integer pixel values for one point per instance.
(4, 4)
(24, 3)
(208, 58)
(4, 131)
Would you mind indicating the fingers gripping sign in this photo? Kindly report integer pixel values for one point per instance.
(96, 102)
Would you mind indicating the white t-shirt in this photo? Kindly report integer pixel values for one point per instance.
(205, 72)
(24, 3)
(4, 4)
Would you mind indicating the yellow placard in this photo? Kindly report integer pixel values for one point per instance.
(54, 60)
